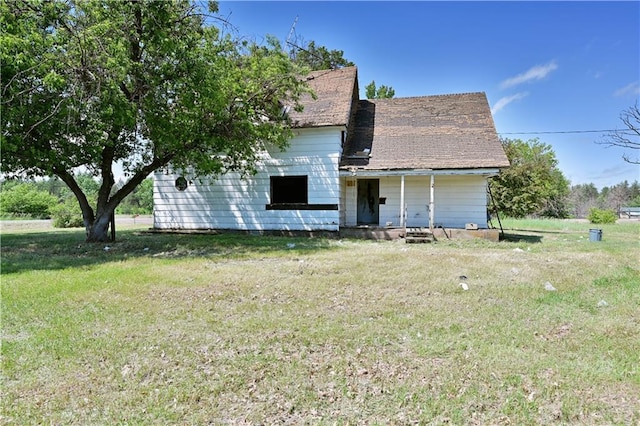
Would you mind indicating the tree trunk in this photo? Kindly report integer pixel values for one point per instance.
(98, 231)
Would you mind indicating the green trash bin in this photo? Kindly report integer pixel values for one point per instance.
(595, 234)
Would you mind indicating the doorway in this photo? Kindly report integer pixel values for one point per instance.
(368, 202)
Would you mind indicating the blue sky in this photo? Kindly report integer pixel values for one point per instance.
(545, 66)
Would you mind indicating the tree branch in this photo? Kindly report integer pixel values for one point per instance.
(138, 177)
(628, 138)
(55, 110)
(18, 74)
(87, 212)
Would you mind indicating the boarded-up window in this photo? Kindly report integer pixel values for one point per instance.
(289, 190)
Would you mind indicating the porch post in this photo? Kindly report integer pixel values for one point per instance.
(402, 223)
(431, 203)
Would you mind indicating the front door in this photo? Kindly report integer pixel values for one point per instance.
(368, 198)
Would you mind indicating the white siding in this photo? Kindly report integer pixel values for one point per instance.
(459, 199)
(230, 202)
(390, 189)
(349, 203)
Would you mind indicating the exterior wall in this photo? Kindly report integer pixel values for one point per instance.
(349, 203)
(416, 200)
(458, 199)
(230, 202)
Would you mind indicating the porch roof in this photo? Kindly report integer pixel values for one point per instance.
(429, 132)
(373, 173)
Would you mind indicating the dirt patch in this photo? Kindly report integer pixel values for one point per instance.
(125, 221)
(25, 225)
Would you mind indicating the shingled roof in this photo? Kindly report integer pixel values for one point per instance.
(336, 92)
(431, 132)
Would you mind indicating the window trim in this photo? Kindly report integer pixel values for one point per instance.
(281, 181)
(300, 206)
(295, 205)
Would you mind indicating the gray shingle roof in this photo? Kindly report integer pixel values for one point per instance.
(430, 132)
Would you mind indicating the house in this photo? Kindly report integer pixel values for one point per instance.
(368, 164)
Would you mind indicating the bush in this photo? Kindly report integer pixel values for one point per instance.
(67, 215)
(140, 201)
(602, 216)
(24, 200)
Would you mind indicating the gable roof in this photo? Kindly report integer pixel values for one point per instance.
(430, 132)
(335, 91)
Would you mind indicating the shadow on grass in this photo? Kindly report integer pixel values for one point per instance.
(524, 238)
(67, 249)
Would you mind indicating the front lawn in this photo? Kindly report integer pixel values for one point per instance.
(229, 329)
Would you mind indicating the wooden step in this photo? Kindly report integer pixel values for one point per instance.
(418, 235)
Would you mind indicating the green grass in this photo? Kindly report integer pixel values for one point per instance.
(175, 329)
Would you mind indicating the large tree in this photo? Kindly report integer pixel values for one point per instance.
(145, 84)
(320, 58)
(629, 137)
(317, 57)
(533, 184)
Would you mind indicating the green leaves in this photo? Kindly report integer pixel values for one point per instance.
(23, 200)
(144, 83)
(533, 183)
(382, 92)
(319, 57)
(600, 216)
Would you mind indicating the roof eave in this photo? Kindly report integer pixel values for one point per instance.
(348, 171)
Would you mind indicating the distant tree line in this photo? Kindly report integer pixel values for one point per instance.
(535, 186)
(51, 198)
(584, 197)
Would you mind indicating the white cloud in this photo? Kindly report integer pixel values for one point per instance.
(613, 175)
(537, 72)
(503, 102)
(630, 89)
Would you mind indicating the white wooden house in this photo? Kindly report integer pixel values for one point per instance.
(388, 163)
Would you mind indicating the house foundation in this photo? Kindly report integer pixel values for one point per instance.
(391, 233)
(356, 232)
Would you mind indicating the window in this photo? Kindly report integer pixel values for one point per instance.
(181, 183)
(291, 193)
(289, 190)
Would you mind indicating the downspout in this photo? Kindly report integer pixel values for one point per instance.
(402, 223)
(431, 203)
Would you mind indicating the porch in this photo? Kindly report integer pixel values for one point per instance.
(395, 233)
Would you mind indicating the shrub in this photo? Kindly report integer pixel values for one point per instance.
(634, 202)
(67, 215)
(601, 216)
(24, 200)
(140, 201)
